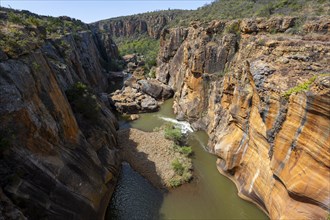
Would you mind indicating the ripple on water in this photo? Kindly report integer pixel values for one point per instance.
(134, 197)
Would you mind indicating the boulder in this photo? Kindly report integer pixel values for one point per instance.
(130, 101)
(156, 89)
(134, 117)
(149, 104)
(130, 58)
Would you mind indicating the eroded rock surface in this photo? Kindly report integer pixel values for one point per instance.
(129, 100)
(140, 95)
(56, 163)
(233, 79)
(149, 24)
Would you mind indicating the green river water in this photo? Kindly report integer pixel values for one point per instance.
(209, 196)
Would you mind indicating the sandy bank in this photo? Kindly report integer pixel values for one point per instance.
(150, 154)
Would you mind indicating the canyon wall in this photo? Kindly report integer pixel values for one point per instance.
(55, 162)
(150, 24)
(233, 79)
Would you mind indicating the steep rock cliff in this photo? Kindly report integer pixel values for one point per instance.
(55, 163)
(233, 79)
(150, 24)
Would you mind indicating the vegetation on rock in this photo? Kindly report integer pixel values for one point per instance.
(301, 87)
(233, 9)
(144, 45)
(182, 167)
(83, 101)
(22, 31)
(185, 150)
(172, 133)
(183, 173)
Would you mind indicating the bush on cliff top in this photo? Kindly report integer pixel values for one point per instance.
(233, 9)
(22, 31)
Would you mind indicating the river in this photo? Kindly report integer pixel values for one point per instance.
(209, 196)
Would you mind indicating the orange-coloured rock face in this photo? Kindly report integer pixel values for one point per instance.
(56, 160)
(275, 149)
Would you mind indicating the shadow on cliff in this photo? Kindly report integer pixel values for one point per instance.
(139, 193)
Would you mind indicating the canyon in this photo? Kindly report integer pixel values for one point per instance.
(230, 79)
(259, 87)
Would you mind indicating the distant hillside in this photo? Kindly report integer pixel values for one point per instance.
(152, 23)
(233, 9)
(139, 33)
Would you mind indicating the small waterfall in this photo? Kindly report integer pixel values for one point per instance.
(183, 125)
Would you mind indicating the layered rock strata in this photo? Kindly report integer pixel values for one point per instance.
(150, 24)
(56, 163)
(260, 88)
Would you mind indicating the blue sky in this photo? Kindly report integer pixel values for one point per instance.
(90, 11)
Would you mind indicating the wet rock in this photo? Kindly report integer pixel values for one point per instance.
(200, 125)
(134, 117)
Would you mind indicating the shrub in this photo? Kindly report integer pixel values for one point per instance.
(33, 21)
(185, 150)
(232, 28)
(15, 18)
(182, 171)
(173, 133)
(115, 65)
(36, 66)
(299, 88)
(175, 182)
(83, 101)
(187, 176)
(152, 73)
(178, 167)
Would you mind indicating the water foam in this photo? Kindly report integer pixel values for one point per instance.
(183, 125)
